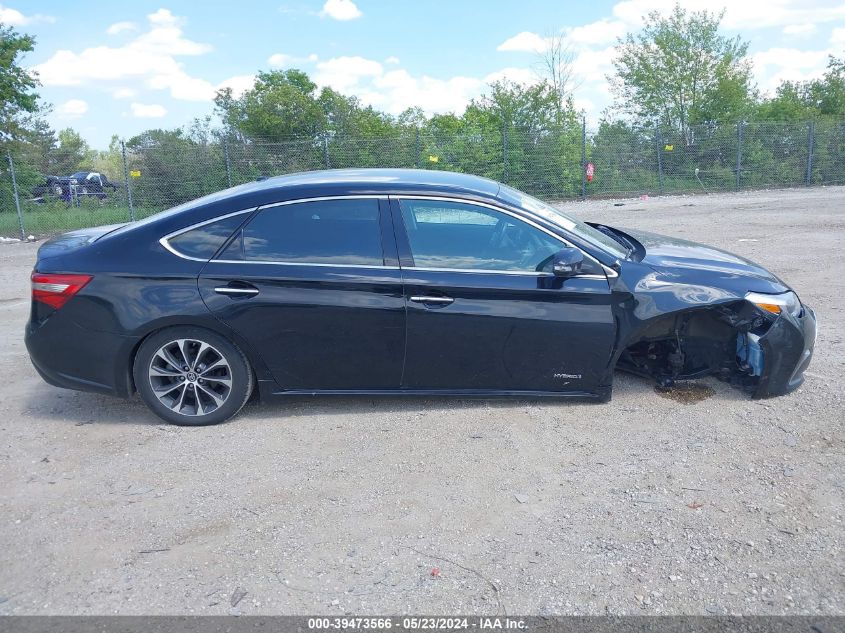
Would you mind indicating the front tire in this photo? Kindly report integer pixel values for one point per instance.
(191, 376)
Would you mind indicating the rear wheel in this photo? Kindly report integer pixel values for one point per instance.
(191, 376)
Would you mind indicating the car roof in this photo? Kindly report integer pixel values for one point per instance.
(369, 181)
(313, 184)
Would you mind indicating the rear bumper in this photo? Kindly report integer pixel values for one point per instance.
(71, 356)
(787, 351)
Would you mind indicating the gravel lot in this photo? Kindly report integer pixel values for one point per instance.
(336, 505)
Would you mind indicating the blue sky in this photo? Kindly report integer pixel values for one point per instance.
(123, 67)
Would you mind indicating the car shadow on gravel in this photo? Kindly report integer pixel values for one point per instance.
(627, 388)
(82, 408)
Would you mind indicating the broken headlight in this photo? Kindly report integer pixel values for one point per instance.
(775, 304)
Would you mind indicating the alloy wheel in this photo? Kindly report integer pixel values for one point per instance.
(190, 377)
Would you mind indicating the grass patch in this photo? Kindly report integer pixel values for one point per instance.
(57, 217)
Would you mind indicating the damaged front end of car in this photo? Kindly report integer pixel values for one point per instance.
(676, 331)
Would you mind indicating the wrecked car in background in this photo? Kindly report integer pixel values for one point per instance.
(388, 281)
(91, 184)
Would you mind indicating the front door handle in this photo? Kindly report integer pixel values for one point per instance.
(240, 290)
(432, 299)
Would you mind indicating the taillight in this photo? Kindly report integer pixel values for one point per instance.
(56, 290)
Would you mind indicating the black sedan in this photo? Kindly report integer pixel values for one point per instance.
(397, 281)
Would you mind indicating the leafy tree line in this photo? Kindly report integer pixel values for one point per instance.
(686, 115)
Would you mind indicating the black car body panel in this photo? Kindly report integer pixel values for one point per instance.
(317, 327)
(672, 310)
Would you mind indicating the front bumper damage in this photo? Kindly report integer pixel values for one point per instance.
(735, 342)
(787, 348)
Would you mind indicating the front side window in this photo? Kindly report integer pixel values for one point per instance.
(317, 232)
(558, 217)
(464, 236)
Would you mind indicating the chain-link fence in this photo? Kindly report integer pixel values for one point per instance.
(568, 162)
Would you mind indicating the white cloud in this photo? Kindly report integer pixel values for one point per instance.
(239, 84)
(392, 60)
(577, 38)
(775, 65)
(150, 57)
(799, 30)
(72, 109)
(341, 10)
(397, 90)
(13, 17)
(596, 33)
(585, 105)
(279, 60)
(182, 86)
(837, 39)
(283, 60)
(593, 65)
(524, 42)
(343, 73)
(121, 27)
(745, 15)
(147, 111)
(124, 93)
(516, 75)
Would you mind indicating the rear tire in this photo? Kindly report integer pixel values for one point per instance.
(192, 376)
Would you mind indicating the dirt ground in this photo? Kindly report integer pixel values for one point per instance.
(646, 505)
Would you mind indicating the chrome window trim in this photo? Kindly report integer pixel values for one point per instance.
(609, 272)
(319, 264)
(489, 271)
(165, 241)
(363, 196)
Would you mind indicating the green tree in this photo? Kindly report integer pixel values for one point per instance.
(110, 161)
(281, 106)
(412, 118)
(788, 104)
(22, 130)
(18, 99)
(804, 100)
(680, 71)
(72, 154)
(175, 165)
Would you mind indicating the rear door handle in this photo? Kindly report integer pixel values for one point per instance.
(432, 299)
(240, 290)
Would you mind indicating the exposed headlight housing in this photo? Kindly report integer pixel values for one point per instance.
(775, 304)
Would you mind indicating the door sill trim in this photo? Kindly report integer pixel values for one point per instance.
(466, 393)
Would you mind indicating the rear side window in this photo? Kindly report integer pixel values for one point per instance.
(318, 232)
(203, 241)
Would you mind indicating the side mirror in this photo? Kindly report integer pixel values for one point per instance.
(567, 262)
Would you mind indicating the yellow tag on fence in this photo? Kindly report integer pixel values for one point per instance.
(433, 159)
(135, 173)
(669, 148)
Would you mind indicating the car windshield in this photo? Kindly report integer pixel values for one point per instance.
(80, 175)
(556, 216)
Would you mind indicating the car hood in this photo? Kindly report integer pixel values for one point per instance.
(692, 262)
